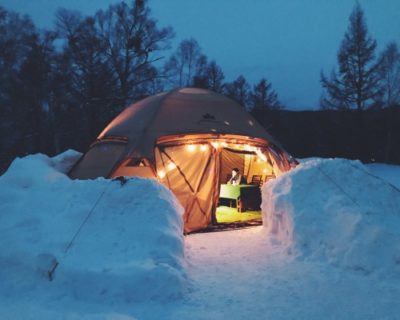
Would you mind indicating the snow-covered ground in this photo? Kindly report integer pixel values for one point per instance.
(330, 250)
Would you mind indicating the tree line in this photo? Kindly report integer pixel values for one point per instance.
(60, 87)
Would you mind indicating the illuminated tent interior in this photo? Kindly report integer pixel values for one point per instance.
(189, 139)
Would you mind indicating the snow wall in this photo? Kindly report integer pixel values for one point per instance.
(130, 247)
(336, 211)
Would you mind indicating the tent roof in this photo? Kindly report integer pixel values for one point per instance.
(182, 111)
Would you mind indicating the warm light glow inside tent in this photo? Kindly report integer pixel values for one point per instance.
(195, 166)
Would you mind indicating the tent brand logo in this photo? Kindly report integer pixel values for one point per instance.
(208, 118)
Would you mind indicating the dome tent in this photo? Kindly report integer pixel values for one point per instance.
(189, 139)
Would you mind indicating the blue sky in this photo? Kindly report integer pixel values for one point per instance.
(288, 42)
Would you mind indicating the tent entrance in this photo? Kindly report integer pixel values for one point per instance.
(191, 175)
(241, 203)
(196, 169)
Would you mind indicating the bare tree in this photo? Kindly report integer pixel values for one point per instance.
(111, 59)
(92, 84)
(187, 63)
(390, 75)
(133, 43)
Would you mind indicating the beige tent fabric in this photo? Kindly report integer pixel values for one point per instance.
(158, 129)
(183, 111)
(99, 161)
(130, 171)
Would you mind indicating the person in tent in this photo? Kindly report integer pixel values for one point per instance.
(236, 178)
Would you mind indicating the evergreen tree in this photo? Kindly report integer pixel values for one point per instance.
(263, 97)
(215, 77)
(238, 90)
(356, 86)
(212, 78)
(34, 89)
(19, 44)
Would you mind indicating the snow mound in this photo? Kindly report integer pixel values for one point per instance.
(335, 210)
(113, 241)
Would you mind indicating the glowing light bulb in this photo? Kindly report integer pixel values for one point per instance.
(203, 147)
(215, 144)
(171, 166)
(261, 155)
(161, 174)
(191, 147)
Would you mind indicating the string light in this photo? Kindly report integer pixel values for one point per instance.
(161, 174)
(261, 155)
(171, 166)
(203, 147)
(191, 147)
(215, 144)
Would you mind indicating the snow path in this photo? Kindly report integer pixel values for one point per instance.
(239, 275)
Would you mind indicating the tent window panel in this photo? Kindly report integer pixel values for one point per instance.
(134, 167)
(190, 162)
(98, 161)
(136, 162)
(190, 173)
(145, 172)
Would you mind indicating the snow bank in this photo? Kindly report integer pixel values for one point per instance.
(112, 241)
(389, 172)
(335, 210)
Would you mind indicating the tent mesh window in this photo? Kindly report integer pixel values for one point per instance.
(136, 162)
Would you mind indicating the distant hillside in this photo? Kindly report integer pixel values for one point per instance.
(372, 137)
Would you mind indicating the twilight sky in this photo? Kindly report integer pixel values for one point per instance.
(287, 41)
